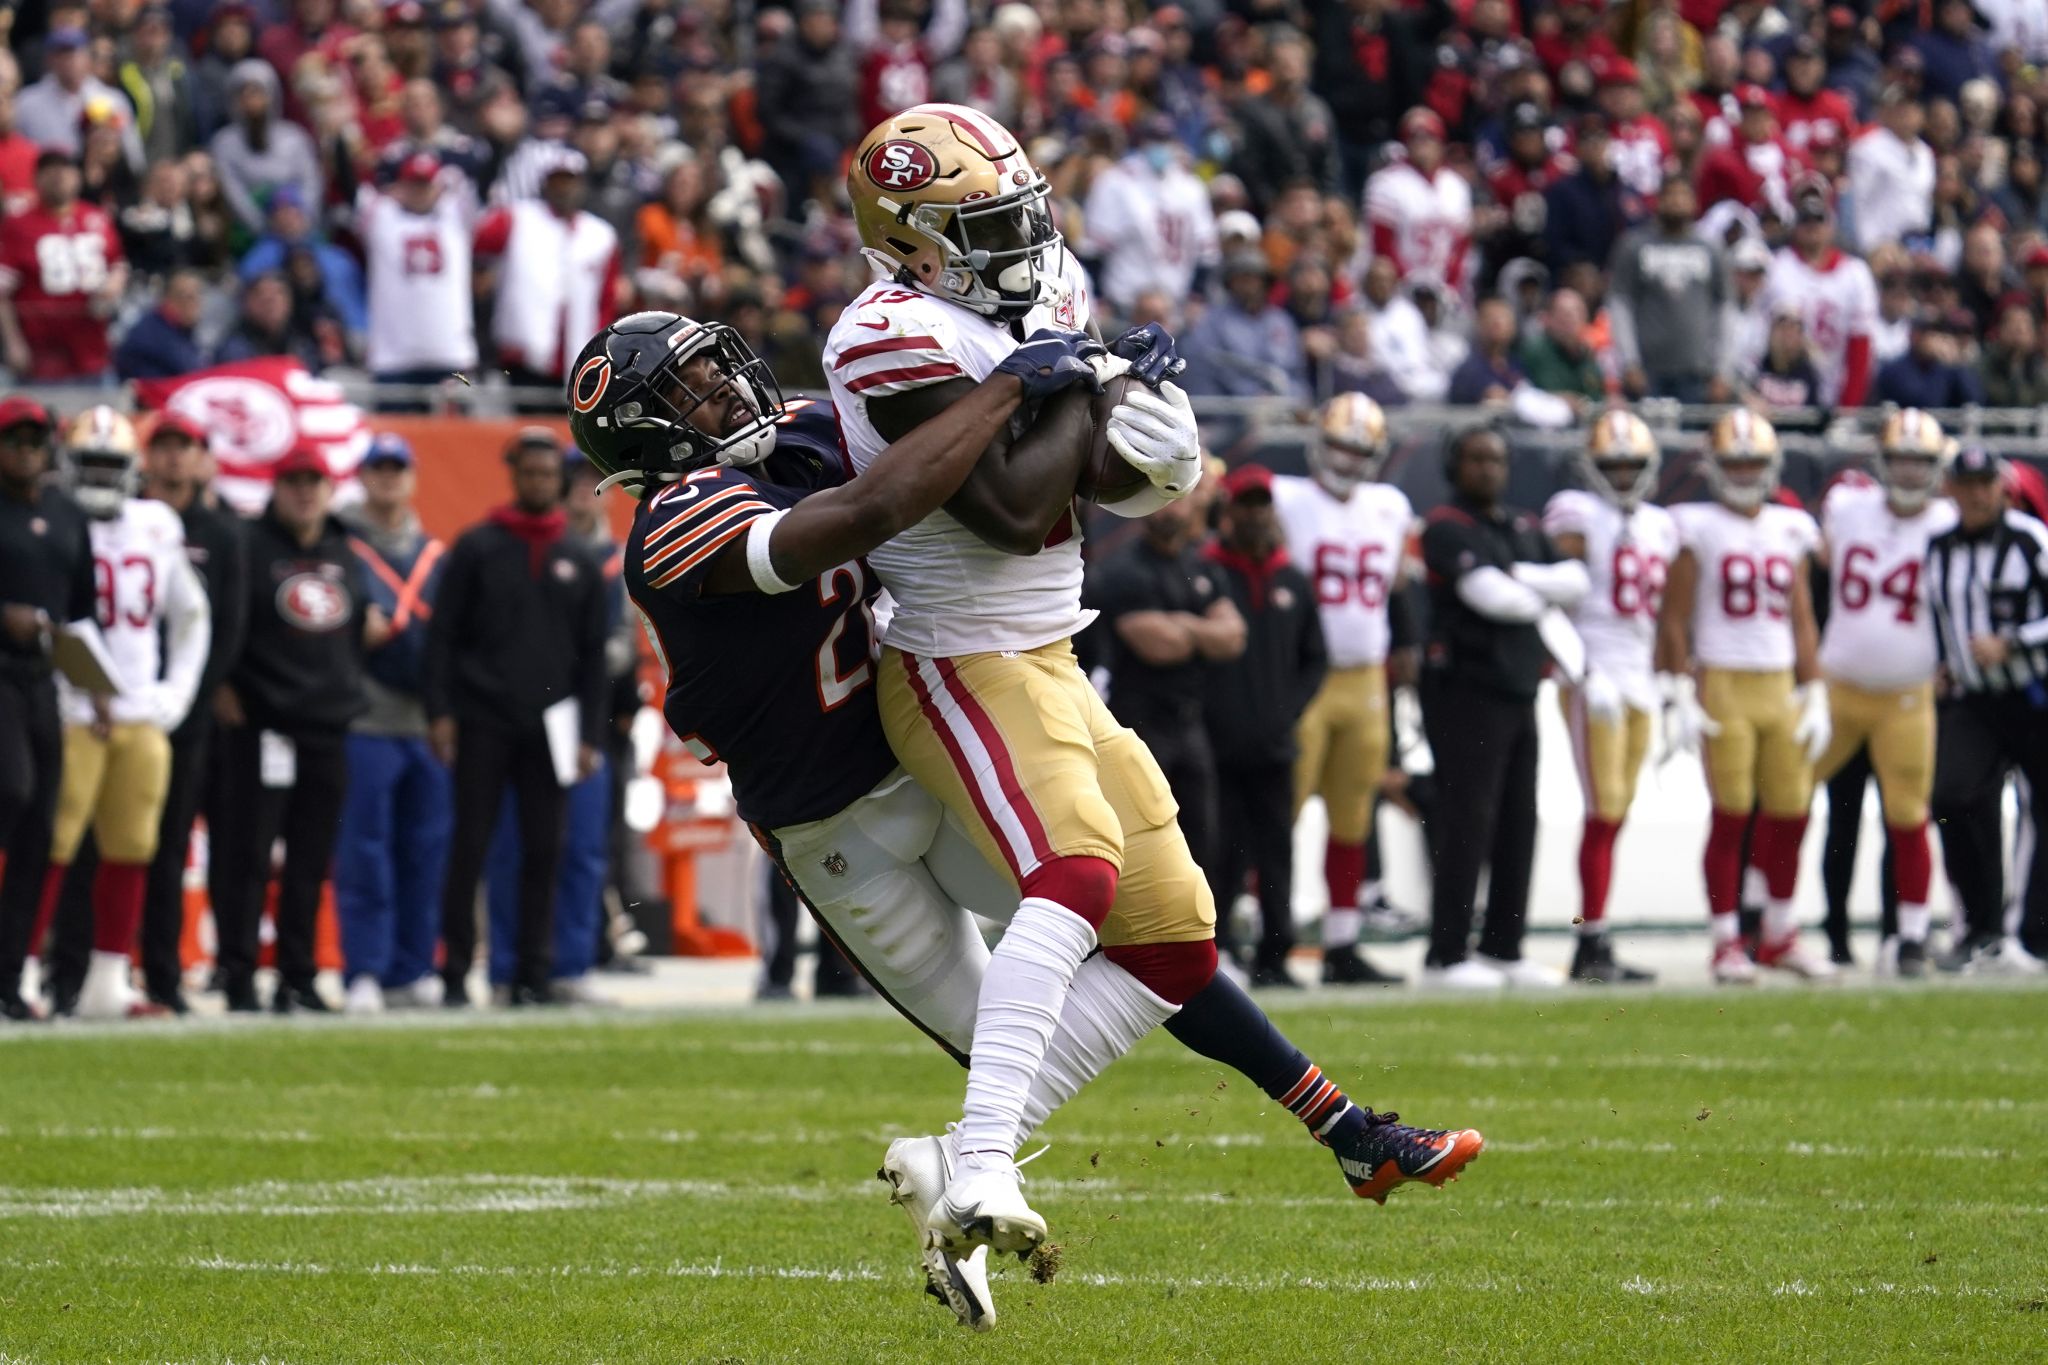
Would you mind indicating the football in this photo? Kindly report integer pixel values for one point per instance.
(1105, 477)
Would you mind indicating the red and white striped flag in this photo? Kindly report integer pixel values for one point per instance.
(253, 410)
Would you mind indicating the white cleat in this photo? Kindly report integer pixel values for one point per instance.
(917, 1170)
(985, 1208)
(1469, 975)
(1524, 974)
(364, 997)
(1786, 955)
(1731, 965)
(2009, 957)
(423, 994)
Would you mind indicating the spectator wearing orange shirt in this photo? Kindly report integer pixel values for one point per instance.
(681, 255)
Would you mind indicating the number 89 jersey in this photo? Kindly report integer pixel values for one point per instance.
(1878, 634)
(1742, 617)
(1628, 555)
(1351, 550)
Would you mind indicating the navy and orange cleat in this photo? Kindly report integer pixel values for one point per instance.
(1381, 1153)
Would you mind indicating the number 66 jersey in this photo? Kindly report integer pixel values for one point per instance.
(1351, 550)
(1743, 619)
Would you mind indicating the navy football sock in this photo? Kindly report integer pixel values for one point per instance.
(1223, 1024)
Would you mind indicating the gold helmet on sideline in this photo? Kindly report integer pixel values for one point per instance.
(1912, 457)
(946, 200)
(1743, 459)
(1350, 443)
(101, 461)
(1621, 459)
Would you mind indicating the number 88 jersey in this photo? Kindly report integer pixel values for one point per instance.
(1742, 618)
(1351, 550)
(1628, 555)
(1878, 633)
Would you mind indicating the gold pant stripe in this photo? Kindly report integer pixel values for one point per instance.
(1024, 754)
(1754, 761)
(1607, 753)
(1341, 749)
(1898, 726)
(118, 785)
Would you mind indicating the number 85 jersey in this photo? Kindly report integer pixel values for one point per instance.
(1351, 549)
(1742, 618)
(1628, 555)
(1878, 634)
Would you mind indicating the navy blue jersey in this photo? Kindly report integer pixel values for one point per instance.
(779, 688)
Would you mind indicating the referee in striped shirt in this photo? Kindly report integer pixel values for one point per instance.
(1987, 580)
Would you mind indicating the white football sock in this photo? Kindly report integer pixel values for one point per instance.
(1914, 922)
(1727, 928)
(1756, 889)
(1023, 991)
(1108, 1010)
(1778, 920)
(1340, 927)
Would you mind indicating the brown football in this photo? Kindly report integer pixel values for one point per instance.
(1105, 477)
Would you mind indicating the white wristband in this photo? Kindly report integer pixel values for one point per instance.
(758, 562)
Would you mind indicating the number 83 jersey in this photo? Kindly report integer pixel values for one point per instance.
(1628, 555)
(1351, 549)
(1742, 618)
(1878, 634)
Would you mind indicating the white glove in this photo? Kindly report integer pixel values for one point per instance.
(1815, 726)
(1155, 433)
(1686, 722)
(1603, 697)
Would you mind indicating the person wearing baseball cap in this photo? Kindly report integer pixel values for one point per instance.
(1928, 375)
(1990, 599)
(177, 469)
(284, 714)
(46, 583)
(1252, 704)
(1419, 210)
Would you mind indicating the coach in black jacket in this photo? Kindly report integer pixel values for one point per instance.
(1253, 703)
(519, 625)
(284, 712)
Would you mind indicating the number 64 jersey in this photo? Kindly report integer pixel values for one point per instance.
(1742, 622)
(1628, 555)
(1351, 549)
(1878, 636)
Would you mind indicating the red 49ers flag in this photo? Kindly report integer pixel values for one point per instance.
(252, 411)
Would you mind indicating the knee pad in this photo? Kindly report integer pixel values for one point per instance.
(1086, 886)
(1175, 972)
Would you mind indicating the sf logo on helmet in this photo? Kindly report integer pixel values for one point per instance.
(901, 165)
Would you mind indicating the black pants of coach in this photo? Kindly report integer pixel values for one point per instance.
(488, 759)
(1180, 744)
(1255, 833)
(249, 818)
(1838, 855)
(31, 774)
(1977, 739)
(1485, 748)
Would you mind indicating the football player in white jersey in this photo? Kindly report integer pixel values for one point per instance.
(117, 749)
(981, 697)
(1627, 545)
(1736, 639)
(1878, 651)
(1349, 534)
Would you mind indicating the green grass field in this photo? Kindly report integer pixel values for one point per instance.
(1841, 1175)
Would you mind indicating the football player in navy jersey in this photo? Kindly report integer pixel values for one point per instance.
(745, 562)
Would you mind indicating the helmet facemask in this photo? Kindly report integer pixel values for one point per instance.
(1909, 477)
(1759, 477)
(732, 385)
(1341, 467)
(992, 256)
(100, 481)
(1625, 480)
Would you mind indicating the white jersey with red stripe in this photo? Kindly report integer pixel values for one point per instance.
(1628, 555)
(1838, 302)
(1424, 223)
(1742, 608)
(953, 592)
(1879, 633)
(1352, 549)
(140, 575)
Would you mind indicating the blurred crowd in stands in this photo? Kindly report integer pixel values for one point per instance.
(1537, 204)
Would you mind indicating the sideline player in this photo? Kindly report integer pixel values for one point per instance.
(1627, 545)
(1738, 605)
(779, 685)
(157, 624)
(1878, 650)
(1348, 532)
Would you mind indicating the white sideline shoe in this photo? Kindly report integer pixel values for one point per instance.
(1786, 955)
(1523, 973)
(1731, 965)
(423, 994)
(917, 1170)
(364, 996)
(581, 990)
(985, 1208)
(1469, 975)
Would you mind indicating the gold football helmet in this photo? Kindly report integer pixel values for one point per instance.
(101, 460)
(1621, 459)
(1743, 459)
(1912, 457)
(1350, 443)
(947, 202)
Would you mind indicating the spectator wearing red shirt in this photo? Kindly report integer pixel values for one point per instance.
(1756, 170)
(1641, 143)
(1714, 96)
(61, 273)
(312, 28)
(898, 51)
(17, 161)
(1520, 181)
(1807, 108)
(1577, 38)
